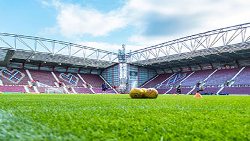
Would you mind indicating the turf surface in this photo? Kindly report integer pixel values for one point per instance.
(117, 117)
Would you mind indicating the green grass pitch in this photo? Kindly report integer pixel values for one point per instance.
(117, 117)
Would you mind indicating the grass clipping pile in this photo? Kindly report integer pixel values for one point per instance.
(143, 93)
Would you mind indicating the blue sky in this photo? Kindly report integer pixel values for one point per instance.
(107, 24)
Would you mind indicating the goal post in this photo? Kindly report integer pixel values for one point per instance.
(55, 90)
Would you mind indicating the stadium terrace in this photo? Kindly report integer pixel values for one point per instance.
(217, 59)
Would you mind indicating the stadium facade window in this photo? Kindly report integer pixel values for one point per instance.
(46, 68)
(60, 69)
(73, 70)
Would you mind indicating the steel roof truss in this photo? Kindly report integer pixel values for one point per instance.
(235, 34)
(61, 49)
(41, 43)
(185, 45)
(80, 49)
(243, 34)
(6, 43)
(24, 43)
(216, 39)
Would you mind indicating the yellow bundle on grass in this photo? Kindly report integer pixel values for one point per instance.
(152, 93)
(135, 93)
(143, 93)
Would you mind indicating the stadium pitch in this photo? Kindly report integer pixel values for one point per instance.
(118, 117)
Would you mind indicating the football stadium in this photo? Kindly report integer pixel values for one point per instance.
(33, 66)
(195, 87)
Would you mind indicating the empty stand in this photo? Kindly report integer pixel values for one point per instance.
(210, 90)
(25, 79)
(44, 77)
(183, 90)
(17, 89)
(83, 90)
(94, 80)
(80, 82)
(175, 80)
(221, 76)
(99, 90)
(69, 78)
(236, 90)
(14, 77)
(110, 91)
(162, 91)
(243, 78)
(196, 77)
(66, 82)
(158, 80)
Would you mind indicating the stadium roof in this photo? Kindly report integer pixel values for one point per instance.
(27, 48)
(225, 44)
(224, 54)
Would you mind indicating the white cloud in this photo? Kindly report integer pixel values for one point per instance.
(45, 2)
(207, 14)
(75, 20)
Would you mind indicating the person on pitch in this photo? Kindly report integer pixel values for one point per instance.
(199, 88)
(178, 89)
(104, 87)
